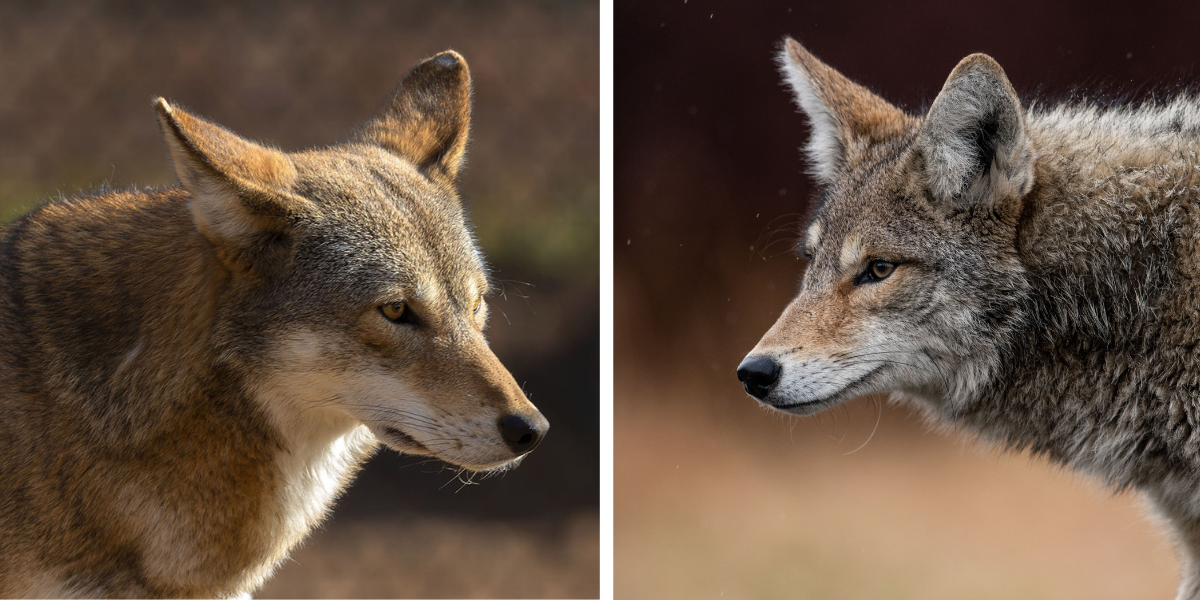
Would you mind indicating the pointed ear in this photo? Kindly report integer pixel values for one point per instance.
(427, 119)
(239, 188)
(973, 140)
(846, 118)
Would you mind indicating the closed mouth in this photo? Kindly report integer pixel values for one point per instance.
(397, 436)
(845, 393)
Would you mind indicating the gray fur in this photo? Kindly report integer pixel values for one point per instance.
(1046, 300)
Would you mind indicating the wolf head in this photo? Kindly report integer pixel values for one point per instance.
(913, 275)
(354, 290)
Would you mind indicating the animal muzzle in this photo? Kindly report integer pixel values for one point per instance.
(759, 375)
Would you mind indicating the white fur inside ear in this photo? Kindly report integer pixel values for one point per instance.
(218, 211)
(953, 128)
(825, 147)
(974, 110)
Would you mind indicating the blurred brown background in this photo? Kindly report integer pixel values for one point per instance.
(715, 498)
(76, 80)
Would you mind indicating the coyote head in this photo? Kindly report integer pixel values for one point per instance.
(354, 292)
(913, 268)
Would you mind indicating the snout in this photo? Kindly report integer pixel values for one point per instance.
(759, 375)
(523, 433)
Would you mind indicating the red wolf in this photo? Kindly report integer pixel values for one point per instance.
(190, 375)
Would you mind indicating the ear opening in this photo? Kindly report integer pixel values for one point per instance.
(240, 189)
(845, 117)
(427, 119)
(973, 139)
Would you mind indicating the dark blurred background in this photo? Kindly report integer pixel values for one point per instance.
(715, 498)
(76, 80)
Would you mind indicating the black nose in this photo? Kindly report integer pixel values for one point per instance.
(523, 434)
(758, 375)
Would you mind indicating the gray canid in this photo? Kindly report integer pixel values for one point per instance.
(1029, 275)
(190, 375)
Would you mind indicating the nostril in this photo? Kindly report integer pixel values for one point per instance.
(520, 433)
(758, 375)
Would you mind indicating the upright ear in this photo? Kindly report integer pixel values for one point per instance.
(846, 118)
(239, 188)
(427, 119)
(973, 140)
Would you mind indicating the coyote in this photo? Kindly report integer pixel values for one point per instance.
(1031, 275)
(190, 375)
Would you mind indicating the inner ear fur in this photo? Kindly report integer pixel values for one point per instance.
(846, 118)
(240, 189)
(427, 119)
(973, 140)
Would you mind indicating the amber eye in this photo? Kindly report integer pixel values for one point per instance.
(397, 312)
(478, 303)
(878, 270)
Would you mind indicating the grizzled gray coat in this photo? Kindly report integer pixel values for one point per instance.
(1027, 274)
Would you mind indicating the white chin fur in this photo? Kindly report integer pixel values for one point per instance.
(812, 385)
(405, 444)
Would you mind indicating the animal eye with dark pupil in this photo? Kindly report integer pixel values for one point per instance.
(397, 312)
(878, 270)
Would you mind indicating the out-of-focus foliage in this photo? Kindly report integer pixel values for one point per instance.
(76, 81)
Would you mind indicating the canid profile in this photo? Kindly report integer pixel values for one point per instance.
(1029, 274)
(190, 375)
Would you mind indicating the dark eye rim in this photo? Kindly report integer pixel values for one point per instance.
(868, 275)
(407, 317)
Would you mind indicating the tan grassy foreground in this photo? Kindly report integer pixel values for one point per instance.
(716, 499)
(430, 557)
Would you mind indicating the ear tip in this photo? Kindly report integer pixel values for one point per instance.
(979, 61)
(791, 52)
(448, 59)
(162, 106)
(789, 46)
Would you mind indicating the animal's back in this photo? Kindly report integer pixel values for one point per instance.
(1107, 379)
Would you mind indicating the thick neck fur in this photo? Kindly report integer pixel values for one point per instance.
(189, 483)
(1102, 371)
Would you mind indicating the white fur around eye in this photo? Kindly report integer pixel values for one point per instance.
(852, 251)
(813, 238)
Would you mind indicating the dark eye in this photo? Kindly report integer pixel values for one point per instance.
(397, 312)
(878, 270)
(478, 303)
